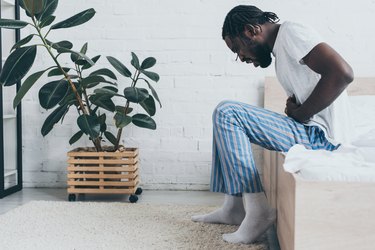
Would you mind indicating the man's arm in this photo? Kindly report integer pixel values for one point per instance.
(335, 73)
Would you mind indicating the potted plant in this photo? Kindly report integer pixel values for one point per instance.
(93, 94)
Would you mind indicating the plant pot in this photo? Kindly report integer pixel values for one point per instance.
(91, 172)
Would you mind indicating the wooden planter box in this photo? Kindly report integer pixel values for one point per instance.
(91, 172)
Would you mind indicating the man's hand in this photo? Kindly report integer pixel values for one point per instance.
(335, 75)
(292, 108)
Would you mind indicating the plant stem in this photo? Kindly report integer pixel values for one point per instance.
(47, 33)
(79, 72)
(66, 76)
(119, 132)
(96, 141)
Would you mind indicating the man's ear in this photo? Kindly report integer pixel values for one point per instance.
(252, 30)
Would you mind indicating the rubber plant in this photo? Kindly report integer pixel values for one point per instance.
(90, 92)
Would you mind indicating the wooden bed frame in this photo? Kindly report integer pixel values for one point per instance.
(321, 215)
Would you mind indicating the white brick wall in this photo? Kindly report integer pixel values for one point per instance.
(197, 72)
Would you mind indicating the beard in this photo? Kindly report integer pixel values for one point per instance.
(261, 52)
(262, 55)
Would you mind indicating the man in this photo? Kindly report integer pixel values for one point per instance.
(314, 77)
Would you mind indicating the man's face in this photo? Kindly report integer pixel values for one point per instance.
(250, 51)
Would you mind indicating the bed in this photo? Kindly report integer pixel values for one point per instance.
(313, 213)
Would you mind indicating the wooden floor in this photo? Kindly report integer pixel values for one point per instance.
(147, 196)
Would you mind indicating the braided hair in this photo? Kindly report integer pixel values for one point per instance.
(242, 15)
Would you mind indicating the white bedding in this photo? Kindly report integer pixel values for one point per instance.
(354, 162)
(344, 164)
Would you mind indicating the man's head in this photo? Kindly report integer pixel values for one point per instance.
(244, 35)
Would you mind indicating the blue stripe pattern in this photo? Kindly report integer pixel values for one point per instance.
(235, 126)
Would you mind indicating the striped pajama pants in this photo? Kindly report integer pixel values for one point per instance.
(235, 126)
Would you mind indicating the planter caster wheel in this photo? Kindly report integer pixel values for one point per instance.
(133, 198)
(138, 191)
(72, 197)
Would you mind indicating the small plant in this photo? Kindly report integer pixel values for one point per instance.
(91, 94)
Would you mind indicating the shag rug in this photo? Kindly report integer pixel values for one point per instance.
(112, 226)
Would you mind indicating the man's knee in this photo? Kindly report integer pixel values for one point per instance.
(222, 108)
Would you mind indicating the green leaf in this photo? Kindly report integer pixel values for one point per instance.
(22, 42)
(143, 121)
(52, 93)
(62, 44)
(103, 125)
(75, 57)
(22, 5)
(121, 110)
(135, 60)
(58, 72)
(53, 118)
(103, 101)
(148, 63)
(89, 125)
(47, 21)
(113, 89)
(152, 75)
(81, 62)
(84, 48)
(91, 79)
(33, 7)
(92, 85)
(110, 137)
(49, 8)
(75, 20)
(102, 118)
(17, 65)
(12, 24)
(95, 83)
(75, 137)
(122, 120)
(153, 91)
(26, 85)
(104, 72)
(106, 91)
(62, 119)
(93, 112)
(119, 66)
(149, 105)
(87, 65)
(136, 95)
(78, 54)
(70, 98)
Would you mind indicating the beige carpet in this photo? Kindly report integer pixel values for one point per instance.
(99, 225)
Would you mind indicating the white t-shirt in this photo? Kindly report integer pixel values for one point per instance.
(294, 42)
